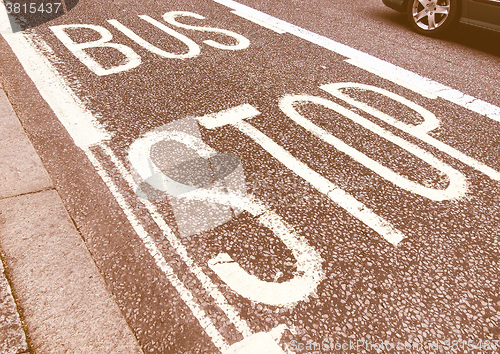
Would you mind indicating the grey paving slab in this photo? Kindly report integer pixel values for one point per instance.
(12, 336)
(21, 170)
(65, 302)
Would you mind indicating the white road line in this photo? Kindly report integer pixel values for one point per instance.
(179, 248)
(235, 117)
(393, 78)
(71, 112)
(86, 131)
(185, 294)
(228, 116)
(258, 22)
(373, 64)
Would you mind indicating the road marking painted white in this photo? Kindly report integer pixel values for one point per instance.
(393, 78)
(82, 126)
(132, 59)
(139, 156)
(85, 131)
(193, 48)
(277, 294)
(242, 42)
(457, 184)
(419, 131)
(258, 22)
(228, 116)
(334, 192)
(185, 294)
(308, 262)
(181, 250)
(262, 342)
(374, 64)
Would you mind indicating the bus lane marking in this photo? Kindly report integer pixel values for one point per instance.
(85, 131)
(179, 248)
(456, 188)
(309, 272)
(132, 59)
(263, 340)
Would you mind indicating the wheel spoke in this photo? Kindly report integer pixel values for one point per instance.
(432, 20)
(420, 15)
(423, 2)
(442, 9)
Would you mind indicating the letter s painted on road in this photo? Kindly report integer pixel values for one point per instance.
(242, 42)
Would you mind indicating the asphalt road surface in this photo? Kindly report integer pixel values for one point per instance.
(268, 176)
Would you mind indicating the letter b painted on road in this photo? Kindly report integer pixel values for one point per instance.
(130, 58)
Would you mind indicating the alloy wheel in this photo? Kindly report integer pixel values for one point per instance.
(430, 14)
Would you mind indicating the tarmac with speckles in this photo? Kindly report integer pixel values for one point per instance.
(441, 282)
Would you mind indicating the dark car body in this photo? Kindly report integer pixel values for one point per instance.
(483, 13)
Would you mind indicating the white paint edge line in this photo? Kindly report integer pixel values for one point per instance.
(181, 251)
(185, 294)
(71, 112)
(410, 79)
(5, 26)
(392, 78)
(258, 22)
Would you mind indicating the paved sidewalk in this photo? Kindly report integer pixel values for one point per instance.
(12, 336)
(55, 300)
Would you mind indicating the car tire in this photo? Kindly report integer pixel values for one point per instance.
(432, 17)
